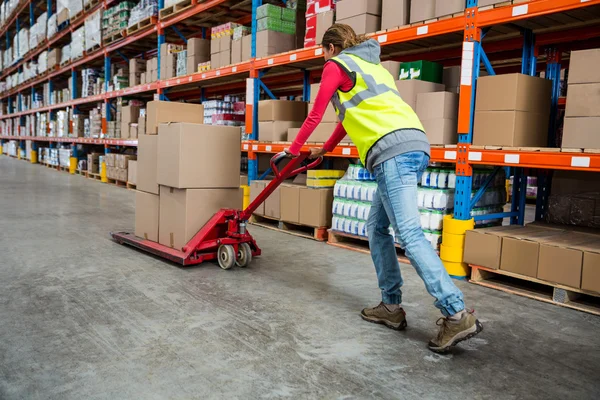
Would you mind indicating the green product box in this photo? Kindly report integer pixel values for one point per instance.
(422, 70)
(288, 27)
(288, 14)
(268, 10)
(126, 5)
(122, 14)
(269, 24)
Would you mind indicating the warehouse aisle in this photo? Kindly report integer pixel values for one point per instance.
(82, 317)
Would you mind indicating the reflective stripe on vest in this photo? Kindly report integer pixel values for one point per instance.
(373, 108)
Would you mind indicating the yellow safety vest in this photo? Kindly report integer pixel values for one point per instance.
(373, 107)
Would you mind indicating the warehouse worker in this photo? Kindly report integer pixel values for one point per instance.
(392, 144)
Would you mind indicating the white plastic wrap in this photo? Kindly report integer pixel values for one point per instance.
(51, 26)
(75, 7)
(61, 5)
(42, 22)
(23, 42)
(77, 43)
(43, 61)
(65, 54)
(93, 33)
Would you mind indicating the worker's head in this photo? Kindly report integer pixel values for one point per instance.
(340, 37)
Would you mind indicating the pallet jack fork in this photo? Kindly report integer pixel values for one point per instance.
(225, 236)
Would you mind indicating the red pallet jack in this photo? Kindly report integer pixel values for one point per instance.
(224, 237)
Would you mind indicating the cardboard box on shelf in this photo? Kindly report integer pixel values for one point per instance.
(394, 14)
(137, 65)
(324, 22)
(271, 42)
(246, 47)
(483, 3)
(130, 114)
(441, 130)
(275, 131)
(236, 51)
(135, 79)
(520, 250)
(290, 203)
(351, 8)
(363, 23)
(320, 135)
(54, 57)
(314, 90)
(435, 105)
(583, 100)
(393, 67)
(93, 163)
(448, 7)
(225, 58)
(154, 75)
(513, 92)
(147, 165)
(329, 116)
(142, 125)
(273, 204)
(483, 247)
(169, 111)
(215, 46)
(225, 43)
(581, 133)
(122, 160)
(583, 66)
(451, 78)
(191, 65)
(409, 89)
(510, 128)
(133, 131)
(132, 172)
(147, 206)
(198, 156)
(315, 207)
(199, 48)
(422, 10)
(63, 16)
(149, 65)
(281, 110)
(590, 275)
(183, 212)
(255, 188)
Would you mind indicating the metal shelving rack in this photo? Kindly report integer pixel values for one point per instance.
(522, 37)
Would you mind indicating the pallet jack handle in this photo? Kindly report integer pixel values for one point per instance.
(290, 170)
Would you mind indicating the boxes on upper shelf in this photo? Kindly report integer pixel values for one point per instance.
(281, 110)
(363, 23)
(409, 89)
(275, 131)
(394, 13)
(422, 10)
(448, 7)
(271, 42)
(351, 8)
(168, 111)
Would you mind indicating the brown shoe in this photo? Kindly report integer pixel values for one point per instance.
(381, 315)
(454, 332)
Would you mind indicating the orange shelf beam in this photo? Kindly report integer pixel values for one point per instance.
(108, 142)
(536, 8)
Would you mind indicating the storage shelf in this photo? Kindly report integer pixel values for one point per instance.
(108, 142)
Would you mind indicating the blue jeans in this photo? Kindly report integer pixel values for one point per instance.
(395, 204)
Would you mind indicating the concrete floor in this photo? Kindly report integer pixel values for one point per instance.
(84, 318)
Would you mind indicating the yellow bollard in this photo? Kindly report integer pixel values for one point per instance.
(72, 165)
(453, 243)
(456, 270)
(34, 158)
(103, 177)
(1, 150)
(246, 202)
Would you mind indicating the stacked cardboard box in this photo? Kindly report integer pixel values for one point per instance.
(394, 13)
(277, 116)
(198, 51)
(422, 10)
(132, 172)
(512, 110)
(198, 173)
(158, 112)
(364, 16)
(410, 89)
(448, 7)
(274, 18)
(129, 115)
(582, 115)
(151, 73)
(117, 166)
(168, 59)
(544, 252)
(93, 163)
(438, 112)
(137, 66)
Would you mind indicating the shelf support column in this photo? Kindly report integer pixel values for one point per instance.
(73, 84)
(106, 101)
(161, 40)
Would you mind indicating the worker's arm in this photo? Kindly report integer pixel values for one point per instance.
(332, 79)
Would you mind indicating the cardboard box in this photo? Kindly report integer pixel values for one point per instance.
(142, 125)
(483, 247)
(225, 43)
(351, 8)
(169, 111)
(448, 7)
(215, 46)
(409, 89)
(510, 128)
(316, 207)
(590, 275)
(147, 165)
(394, 14)
(236, 51)
(54, 57)
(124, 129)
(122, 160)
(393, 68)
(583, 100)
(170, 67)
(441, 130)
(149, 65)
(224, 58)
(435, 105)
(255, 188)
(191, 65)
(324, 22)
(321, 134)
(520, 250)
(273, 204)
(329, 116)
(62, 16)
(275, 131)
(281, 110)
(215, 61)
(363, 23)
(561, 259)
(133, 131)
(147, 206)
(199, 48)
(137, 65)
(451, 78)
(135, 79)
(513, 92)
(132, 171)
(130, 114)
(246, 47)
(583, 66)
(183, 212)
(314, 90)
(483, 3)
(198, 156)
(93, 163)
(581, 132)
(290, 203)
(154, 75)
(422, 10)
(271, 42)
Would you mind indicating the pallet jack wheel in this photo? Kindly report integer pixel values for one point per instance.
(226, 256)
(244, 257)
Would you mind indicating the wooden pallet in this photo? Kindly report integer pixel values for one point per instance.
(146, 22)
(116, 182)
(537, 289)
(131, 186)
(571, 150)
(92, 49)
(358, 243)
(90, 5)
(512, 148)
(93, 176)
(175, 8)
(112, 38)
(319, 234)
(503, 4)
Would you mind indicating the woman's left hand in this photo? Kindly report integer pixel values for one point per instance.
(316, 152)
